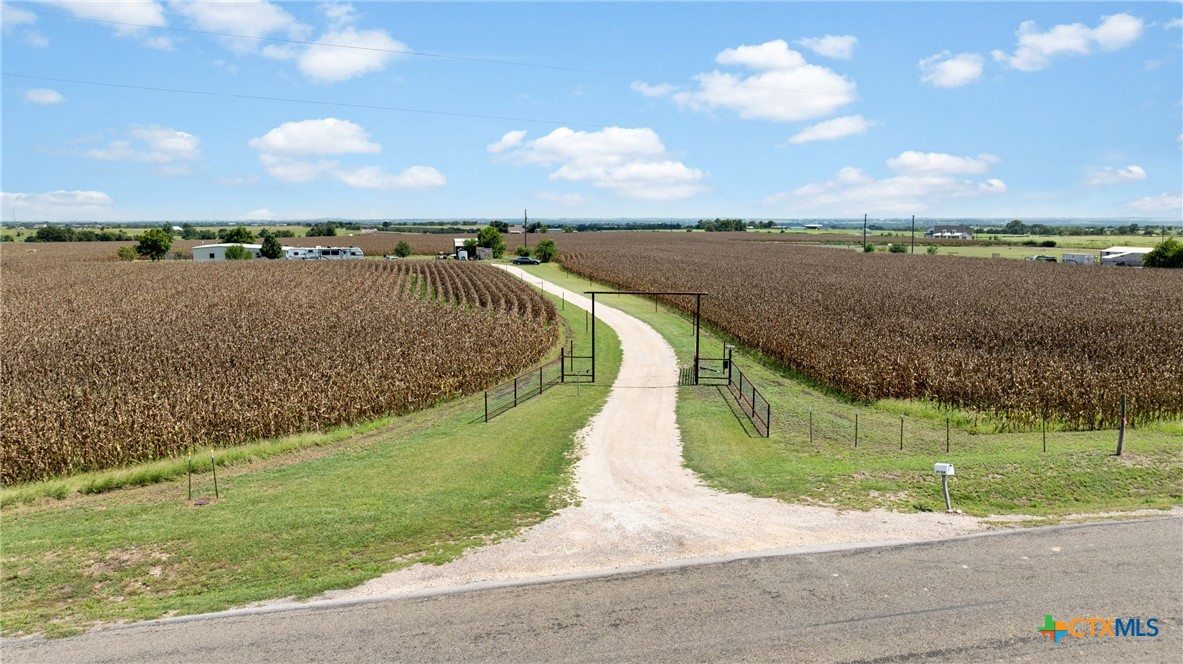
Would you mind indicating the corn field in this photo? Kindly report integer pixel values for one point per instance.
(107, 363)
(1014, 339)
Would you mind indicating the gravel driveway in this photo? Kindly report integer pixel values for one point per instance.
(638, 504)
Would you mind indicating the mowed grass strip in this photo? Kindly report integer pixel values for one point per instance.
(422, 489)
(997, 474)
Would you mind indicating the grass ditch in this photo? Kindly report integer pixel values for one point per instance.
(997, 473)
(332, 513)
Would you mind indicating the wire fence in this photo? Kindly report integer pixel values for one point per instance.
(753, 404)
(523, 388)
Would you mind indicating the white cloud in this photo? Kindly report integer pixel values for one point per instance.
(1161, 203)
(633, 163)
(939, 163)
(923, 180)
(1107, 175)
(36, 39)
(127, 18)
(784, 87)
(831, 130)
(58, 205)
(659, 90)
(571, 199)
(352, 53)
(1036, 49)
(261, 214)
(324, 136)
(171, 151)
(945, 70)
(1173, 23)
(250, 18)
(338, 13)
(839, 47)
(10, 16)
(43, 96)
(289, 154)
(375, 177)
(511, 139)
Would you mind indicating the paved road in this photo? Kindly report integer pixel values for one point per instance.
(979, 598)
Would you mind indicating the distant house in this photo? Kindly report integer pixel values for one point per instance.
(217, 252)
(1131, 256)
(950, 232)
(813, 227)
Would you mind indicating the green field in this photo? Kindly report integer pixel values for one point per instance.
(997, 474)
(330, 512)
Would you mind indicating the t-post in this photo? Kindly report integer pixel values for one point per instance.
(864, 232)
(913, 233)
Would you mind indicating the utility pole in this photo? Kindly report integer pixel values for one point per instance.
(913, 233)
(864, 232)
(525, 233)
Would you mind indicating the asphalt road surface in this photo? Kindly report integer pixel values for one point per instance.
(970, 599)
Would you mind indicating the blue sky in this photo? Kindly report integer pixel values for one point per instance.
(433, 110)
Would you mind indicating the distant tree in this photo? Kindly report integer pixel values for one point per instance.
(1168, 253)
(521, 251)
(470, 246)
(85, 235)
(188, 232)
(52, 234)
(932, 250)
(167, 228)
(271, 249)
(897, 248)
(7, 238)
(237, 253)
(535, 227)
(327, 229)
(284, 232)
(501, 226)
(402, 249)
(386, 224)
(490, 238)
(154, 244)
(126, 253)
(207, 235)
(545, 251)
(568, 229)
(238, 234)
(1048, 243)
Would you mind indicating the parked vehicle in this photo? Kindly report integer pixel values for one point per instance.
(526, 260)
(1041, 257)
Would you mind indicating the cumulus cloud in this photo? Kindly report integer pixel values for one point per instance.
(261, 214)
(781, 86)
(1107, 175)
(250, 18)
(1036, 49)
(939, 163)
(60, 205)
(11, 16)
(839, 47)
(1173, 23)
(1172, 203)
(832, 130)
(349, 53)
(324, 136)
(43, 96)
(127, 18)
(170, 151)
(945, 70)
(922, 180)
(511, 139)
(647, 90)
(375, 177)
(295, 152)
(633, 163)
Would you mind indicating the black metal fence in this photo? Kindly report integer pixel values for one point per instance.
(522, 388)
(753, 404)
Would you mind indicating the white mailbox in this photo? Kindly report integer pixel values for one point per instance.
(943, 469)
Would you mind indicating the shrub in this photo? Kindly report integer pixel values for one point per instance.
(154, 244)
(1168, 253)
(1048, 243)
(521, 251)
(126, 253)
(489, 237)
(869, 248)
(932, 250)
(402, 249)
(272, 249)
(897, 248)
(237, 253)
(545, 251)
(236, 234)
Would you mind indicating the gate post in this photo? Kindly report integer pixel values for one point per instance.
(562, 364)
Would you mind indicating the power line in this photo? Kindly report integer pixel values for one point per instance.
(441, 56)
(293, 100)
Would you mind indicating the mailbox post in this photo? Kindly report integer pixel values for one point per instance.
(945, 470)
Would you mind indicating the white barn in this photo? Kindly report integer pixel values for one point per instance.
(1131, 256)
(217, 252)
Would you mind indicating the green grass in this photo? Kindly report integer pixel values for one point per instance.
(418, 488)
(997, 473)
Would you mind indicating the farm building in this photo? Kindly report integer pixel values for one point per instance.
(217, 252)
(950, 232)
(1131, 256)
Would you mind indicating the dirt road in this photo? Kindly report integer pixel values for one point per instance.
(639, 505)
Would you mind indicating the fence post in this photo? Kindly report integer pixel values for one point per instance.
(1121, 430)
(562, 364)
(810, 426)
(901, 433)
(540, 380)
(515, 391)
(1043, 425)
(946, 434)
(856, 431)
(486, 405)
